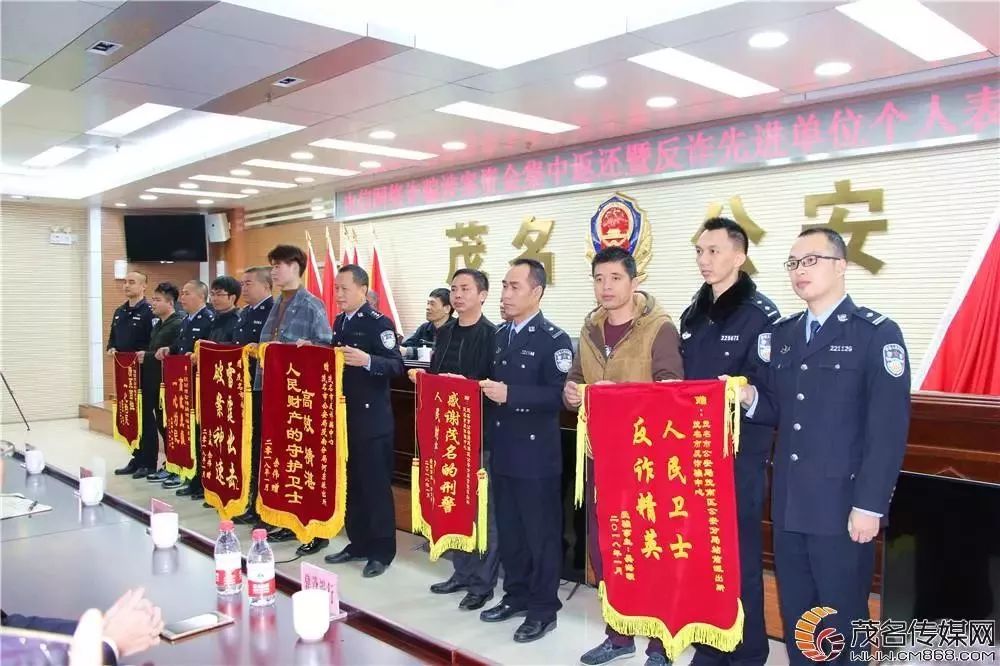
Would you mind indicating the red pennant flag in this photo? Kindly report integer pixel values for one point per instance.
(311, 277)
(177, 398)
(127, 405)
(964, 356)
(223, 386)
(666, 509)
(380, 285)
(330, 269)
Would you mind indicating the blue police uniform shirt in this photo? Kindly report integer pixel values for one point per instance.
(195, 327)
(524, 431)
(841, 401)
(252, 320)
(730, 335)
(366, 390)
(131, 327)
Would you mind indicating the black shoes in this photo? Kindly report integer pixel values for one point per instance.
(188, 490)
(374, 568)
(532, 630)
(448, 586)
(473, 601)
(248, 518)
(280, 535)
(127, 470)
(313, 546)
(173, 481)
(501, 612)
(341, 557)
(141, 472)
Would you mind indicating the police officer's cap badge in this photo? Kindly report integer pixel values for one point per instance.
(388, 339)
(894, 359)
(764, 347)
(620, 222)
(564, 360)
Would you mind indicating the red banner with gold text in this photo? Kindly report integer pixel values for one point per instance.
(177, 394)
(666, 509)
(127, 405)
(448, 484)
(303, 473)
(226, 419)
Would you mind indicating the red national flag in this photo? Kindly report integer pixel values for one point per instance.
(380, 285)
(964, 356)
(223, 386)
(127, 406)
(311, 277)
(330, 269)
(666, 509)
(448, 487)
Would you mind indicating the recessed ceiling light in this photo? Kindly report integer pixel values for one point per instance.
(832, 69)
(770, 39)
(240, 172)
(492, 114)
(302, 155)
(913, 26)
(148, 197)
(661, 102)
(453, 145)
(372, 149)
(305, 179)
(11, 89)
(204, 202)
(137, 118)
(250, 190)
(53, 156)
(189, 186)
(243, 181)
(121, 205)
(702, 72)
(189, 193)
(382, 135)
(590, 82)
(303, 168)
(370, 164)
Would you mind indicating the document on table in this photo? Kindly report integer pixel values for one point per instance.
(16, 505)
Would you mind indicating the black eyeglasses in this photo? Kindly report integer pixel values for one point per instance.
(807, 261)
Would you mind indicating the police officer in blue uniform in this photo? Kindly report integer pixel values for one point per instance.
(132, 323)
(725, 331)
(371, 359)
(256, 286)
(532, 357)
(838, 389)
(196, 326)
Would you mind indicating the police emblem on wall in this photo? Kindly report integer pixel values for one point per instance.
(620, 222)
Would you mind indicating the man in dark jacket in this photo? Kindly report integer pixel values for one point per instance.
(464, 346)
(165, 332)
(439, 311)
(224, 294)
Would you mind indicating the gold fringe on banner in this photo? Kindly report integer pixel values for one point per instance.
(197, 382)
(482, 518)
(733, 416)
(697, 632)
(416, 515)
(449, 541)
(581, 445)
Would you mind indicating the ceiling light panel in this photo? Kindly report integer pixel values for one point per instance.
(137, 118)
(53, 156)
(492, 114)
(914, 27)
(11, 89)
(196, 193)
(302, 168)
(703, 73)
(243, 181)
(372, 149)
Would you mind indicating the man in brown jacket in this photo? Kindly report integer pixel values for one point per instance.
(627, 338)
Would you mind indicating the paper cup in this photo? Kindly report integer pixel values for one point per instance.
(164, 529)
(311, 614)
(34, 461)
(92, 490)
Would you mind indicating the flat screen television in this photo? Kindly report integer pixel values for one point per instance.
(165, 238)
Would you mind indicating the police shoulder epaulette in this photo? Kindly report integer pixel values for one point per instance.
(788, 318)
(870, 316)
(765, 305)
(375, 314)
(551, 328)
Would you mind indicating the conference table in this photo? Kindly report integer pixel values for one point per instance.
(64, 561)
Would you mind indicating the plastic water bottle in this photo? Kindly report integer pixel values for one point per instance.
(260, 570)
(228, 560)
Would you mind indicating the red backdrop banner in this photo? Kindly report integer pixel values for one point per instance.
(448, 484)
(223, 393)
(127, 405)
(178, 413)
(666, 510)
(303, 473)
